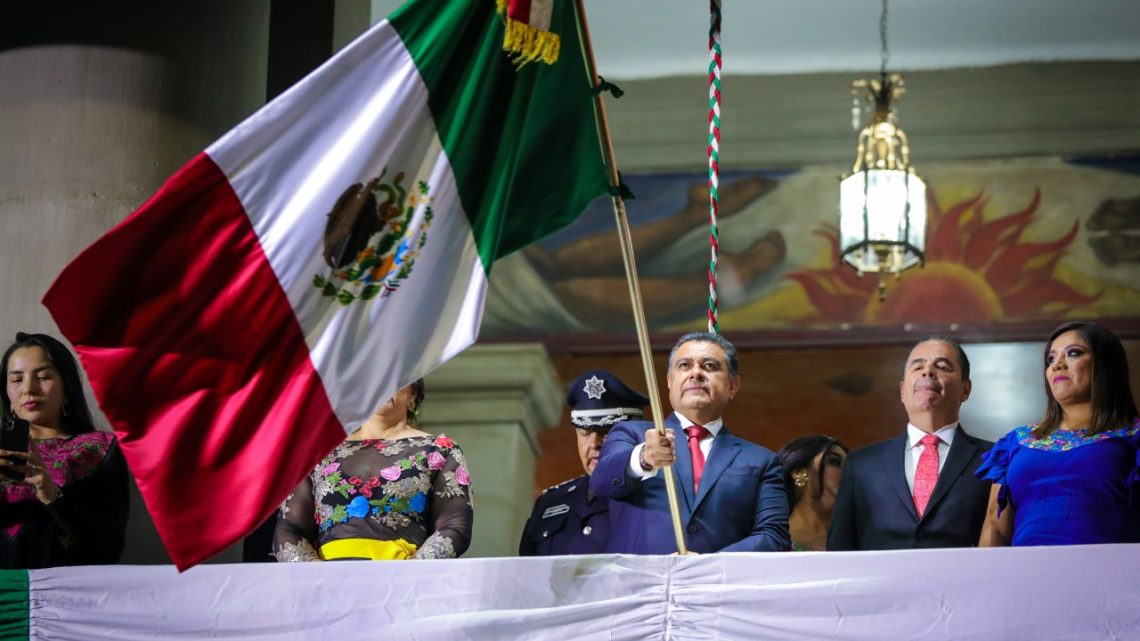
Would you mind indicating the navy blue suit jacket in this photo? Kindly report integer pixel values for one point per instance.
(874, 509)
(741, 507)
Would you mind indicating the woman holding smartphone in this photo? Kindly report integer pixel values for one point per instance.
(70, 506)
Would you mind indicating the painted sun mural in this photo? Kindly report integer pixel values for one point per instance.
(978, 269)
(1010, 242)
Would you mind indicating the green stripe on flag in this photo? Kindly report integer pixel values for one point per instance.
(523, 144)
(13, 604)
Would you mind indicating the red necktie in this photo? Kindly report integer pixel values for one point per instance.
(926, 474)
(695, 434)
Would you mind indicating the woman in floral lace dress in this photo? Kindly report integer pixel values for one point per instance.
(389, 491)
(71, 506)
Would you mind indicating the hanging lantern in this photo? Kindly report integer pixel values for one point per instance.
(882, 202)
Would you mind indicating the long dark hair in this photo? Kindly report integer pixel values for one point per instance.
(78, 418)
(798, 455)
(1112, 403)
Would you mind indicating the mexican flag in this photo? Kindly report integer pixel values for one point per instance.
(330, 249)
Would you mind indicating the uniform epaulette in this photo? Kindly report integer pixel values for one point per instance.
(566, 482)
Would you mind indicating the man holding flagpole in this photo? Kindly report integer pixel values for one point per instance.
(732, 491)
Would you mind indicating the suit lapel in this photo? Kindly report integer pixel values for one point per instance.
(961, 453)
(683, 467)
(896, 472)
(725, 447)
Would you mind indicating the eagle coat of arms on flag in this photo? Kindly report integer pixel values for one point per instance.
(371, 244)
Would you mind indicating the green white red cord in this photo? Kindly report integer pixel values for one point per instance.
(714, 153)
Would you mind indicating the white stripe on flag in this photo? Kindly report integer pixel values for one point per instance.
(540, 12)
(316, 140)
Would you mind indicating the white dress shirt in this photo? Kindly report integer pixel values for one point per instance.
(914, 448)
(682, 440)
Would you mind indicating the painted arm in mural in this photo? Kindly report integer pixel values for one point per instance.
(599, 254)
(587, 275)
(1119, 219)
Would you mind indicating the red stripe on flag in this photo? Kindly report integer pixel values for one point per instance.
(198, 361)
(519, 10)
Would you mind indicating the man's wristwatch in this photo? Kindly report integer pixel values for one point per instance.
(641, 461)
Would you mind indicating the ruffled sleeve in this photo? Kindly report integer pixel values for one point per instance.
(995, 464)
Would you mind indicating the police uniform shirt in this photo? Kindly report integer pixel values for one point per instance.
(566, 520)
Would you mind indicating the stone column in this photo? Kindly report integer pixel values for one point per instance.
(98, 108)
(493, 400)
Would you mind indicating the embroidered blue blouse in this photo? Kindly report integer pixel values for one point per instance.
(1069, 488)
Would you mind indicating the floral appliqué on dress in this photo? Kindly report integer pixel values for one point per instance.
(399, 494)
(67, 460)
(1064, 440)
(415, 489)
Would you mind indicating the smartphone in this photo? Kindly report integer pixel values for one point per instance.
(14, 438)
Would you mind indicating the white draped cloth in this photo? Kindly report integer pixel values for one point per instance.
(1080, 592)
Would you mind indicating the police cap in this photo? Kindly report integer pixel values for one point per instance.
(597, 398)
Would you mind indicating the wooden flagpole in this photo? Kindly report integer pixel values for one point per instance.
(631, 273)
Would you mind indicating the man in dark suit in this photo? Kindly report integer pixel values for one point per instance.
(730, 492)
(917, 490)
(568, 518)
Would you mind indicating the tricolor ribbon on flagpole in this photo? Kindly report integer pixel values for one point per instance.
(528, 35)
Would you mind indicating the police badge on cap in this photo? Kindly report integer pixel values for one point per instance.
(597, 398)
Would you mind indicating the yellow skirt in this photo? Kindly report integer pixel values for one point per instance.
(373, 549)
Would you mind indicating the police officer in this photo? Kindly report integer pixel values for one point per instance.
(568, 518)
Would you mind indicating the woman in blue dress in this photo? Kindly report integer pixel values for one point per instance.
(1073, 478)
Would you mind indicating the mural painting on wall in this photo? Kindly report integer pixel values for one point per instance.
(1008, 242)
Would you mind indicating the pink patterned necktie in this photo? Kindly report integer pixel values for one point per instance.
(926, 474)
(695, 434)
